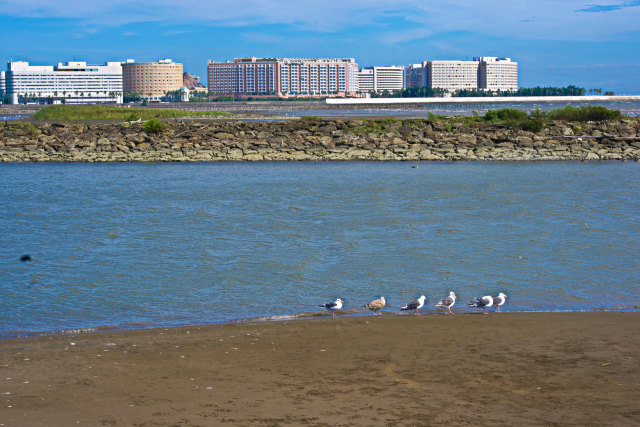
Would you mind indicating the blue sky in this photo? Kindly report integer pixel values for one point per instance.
(591, 43)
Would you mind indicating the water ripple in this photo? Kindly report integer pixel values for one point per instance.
(137, 245)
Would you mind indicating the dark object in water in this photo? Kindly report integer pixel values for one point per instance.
(25, 258)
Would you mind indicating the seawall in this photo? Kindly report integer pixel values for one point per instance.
(482, 100)
(317, 139)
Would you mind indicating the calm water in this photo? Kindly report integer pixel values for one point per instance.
(137, 245)
(13, 117)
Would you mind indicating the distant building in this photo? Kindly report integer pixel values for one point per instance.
(151, 80)
(497, 73)
(283, 77)
(72, 83)
(452, 75)
(486, 73)
(416, 75)
(379, 79)
(2, 85)
(364, 80)
(184, 94)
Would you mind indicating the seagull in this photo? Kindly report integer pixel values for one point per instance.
(376, 304)
(415, 305)
(483, 302)
(499, 300)
(333, 306)
(447, 303)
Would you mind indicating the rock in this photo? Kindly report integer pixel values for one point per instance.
(223, 135)
(358, 154)
(466, 139)
(524, 141)
(263, 135)
(235, 154)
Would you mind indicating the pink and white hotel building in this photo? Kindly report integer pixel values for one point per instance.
(283, 77)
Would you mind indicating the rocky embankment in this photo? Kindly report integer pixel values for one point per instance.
(300, 140)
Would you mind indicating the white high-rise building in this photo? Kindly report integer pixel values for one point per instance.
(379, 79)
(364, 80)
(484, 72)
(452, 75)
(73, 83)
(2, 84)
(497, 73)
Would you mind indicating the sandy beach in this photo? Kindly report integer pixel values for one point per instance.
(466, 369)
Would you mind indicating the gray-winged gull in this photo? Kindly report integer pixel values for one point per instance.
(415, 305)
(333, 306)
(499, 300)
(447, 302)
(482, 302)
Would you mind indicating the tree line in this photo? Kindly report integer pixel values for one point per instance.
(428, 92)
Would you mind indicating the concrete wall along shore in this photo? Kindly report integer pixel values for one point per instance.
(317, 139)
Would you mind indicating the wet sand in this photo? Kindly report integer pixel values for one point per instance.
(465, 369)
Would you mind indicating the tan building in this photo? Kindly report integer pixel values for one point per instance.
(151, 80)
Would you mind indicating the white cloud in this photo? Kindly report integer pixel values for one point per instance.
(537, 20)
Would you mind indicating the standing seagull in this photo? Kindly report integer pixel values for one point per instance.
(499, 300)
(333, 306)
(483, 302)
(447, 303)
(376, 304)
(415, 305)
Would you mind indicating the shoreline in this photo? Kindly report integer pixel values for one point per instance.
(466, 369)
(301, 317)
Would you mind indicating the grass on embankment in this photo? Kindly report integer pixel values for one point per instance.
(512, 118)
(67, 113)
(537, 119)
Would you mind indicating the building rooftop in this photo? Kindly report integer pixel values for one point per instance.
(287, 60)
(159, 61)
